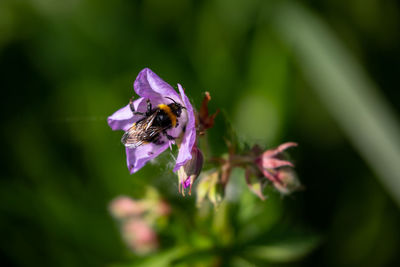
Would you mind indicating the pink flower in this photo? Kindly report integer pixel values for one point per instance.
(277, 170)
(163, 208)
(140, 236)
(123, 207)
(152, 88)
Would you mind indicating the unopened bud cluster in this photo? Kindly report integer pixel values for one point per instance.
(137, 218)
(262, 167)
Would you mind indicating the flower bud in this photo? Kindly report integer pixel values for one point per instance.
(188, 173)
(254, 182)
(277, 170)
(139, 236)
(288, 181)
(211, 187)
(163, 208)
(123, 207)
(205, 120)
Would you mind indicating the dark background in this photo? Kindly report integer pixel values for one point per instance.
(320, 73)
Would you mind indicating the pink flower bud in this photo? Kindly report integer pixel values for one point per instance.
(163, 208)
(139, 236)
(277, 170)
(123, 207)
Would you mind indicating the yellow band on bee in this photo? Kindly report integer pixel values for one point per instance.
(169, 113)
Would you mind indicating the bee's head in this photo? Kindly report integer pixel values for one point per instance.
(175, 107)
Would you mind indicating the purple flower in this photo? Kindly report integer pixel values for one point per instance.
(151, 87)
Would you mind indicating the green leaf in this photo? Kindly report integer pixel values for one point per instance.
(160, 259)
(284, 251)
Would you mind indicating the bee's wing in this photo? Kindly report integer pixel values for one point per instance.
(131, 138)
(138, 133)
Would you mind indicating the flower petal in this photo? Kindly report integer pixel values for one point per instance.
(279, 149)
(149, 85)
(270, 176)
(139, 156)
(272, 163)
(123, 118)
(189, 136)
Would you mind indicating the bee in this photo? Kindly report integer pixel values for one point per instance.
(154, 124)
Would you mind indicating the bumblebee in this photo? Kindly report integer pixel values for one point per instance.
(153, 125)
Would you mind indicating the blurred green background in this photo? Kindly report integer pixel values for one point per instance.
(320, 73)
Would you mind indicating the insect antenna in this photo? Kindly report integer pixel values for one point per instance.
(171, 99)
(175, 102)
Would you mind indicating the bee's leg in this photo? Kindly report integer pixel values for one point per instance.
(149, 107)
(133, 108)
(170, 137)
(177, 124)
(131, 105)
(157, 140)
